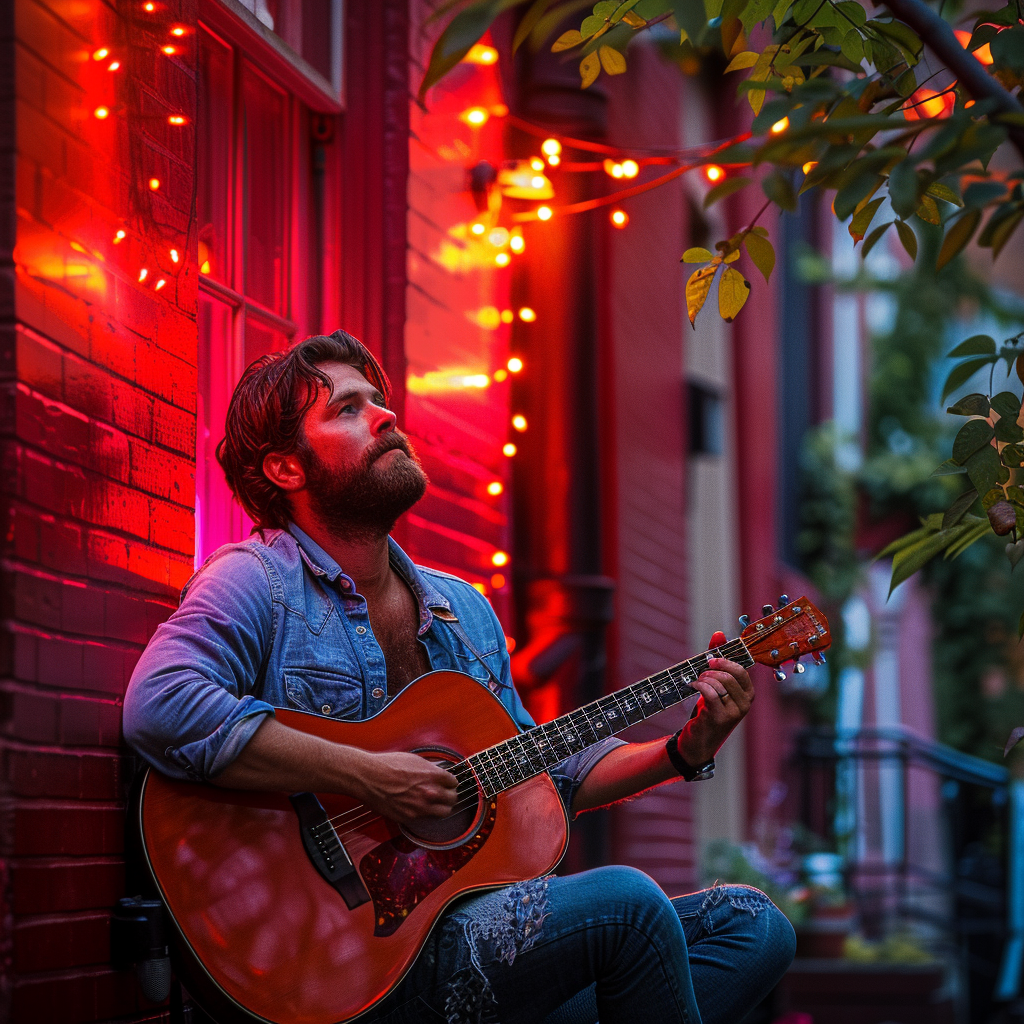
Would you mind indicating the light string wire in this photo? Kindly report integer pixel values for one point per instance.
(361, 816)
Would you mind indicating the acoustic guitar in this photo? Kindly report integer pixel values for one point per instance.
(309, 908)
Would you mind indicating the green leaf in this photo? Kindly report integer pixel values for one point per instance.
(875, 235)
(903, 188)
(1008, 49)
(905, 38)
(762, 252)
(975, 345)
(458, 38)
(970, 405)
(908, 238)
(697, 255)
(849, 197)
(910, 560)
(948, 468)
(853, 47)
(983, 467)
(972, 437)
(928, 211)
(592, 25)
(778, 188)
(959, 508)
(725, 188)
(1013, 456)
(528, 22)
(957, 237)
(1001, 235)
(981, 193)
(974, 532)
(1007, 404)
(961, 374)
(828, 58)
(863, 217)
(1007, 430)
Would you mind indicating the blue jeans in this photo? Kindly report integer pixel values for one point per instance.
(604, 945)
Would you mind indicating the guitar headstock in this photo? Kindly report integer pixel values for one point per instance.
(794, 629)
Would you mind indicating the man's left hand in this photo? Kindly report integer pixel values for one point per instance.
(726, 695)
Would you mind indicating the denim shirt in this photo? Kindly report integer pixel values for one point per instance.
(274, 622)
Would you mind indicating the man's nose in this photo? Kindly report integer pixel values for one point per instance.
(384, 422)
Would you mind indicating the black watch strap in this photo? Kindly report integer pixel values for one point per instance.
(686, 770)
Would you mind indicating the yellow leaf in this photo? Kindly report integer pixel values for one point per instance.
(761, 251)
(633, 20)
(697, 290)
(746, 59)
(567, 40)
(732, 257)
(756, 99)
(611, 60)
(590, 68)
(944, 192)
(696, 255)
(733, 291)
(928, 211)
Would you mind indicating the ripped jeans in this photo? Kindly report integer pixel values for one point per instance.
(605, 945)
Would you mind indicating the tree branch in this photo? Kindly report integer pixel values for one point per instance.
(936, 33)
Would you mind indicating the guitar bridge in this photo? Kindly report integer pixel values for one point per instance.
(326, 850)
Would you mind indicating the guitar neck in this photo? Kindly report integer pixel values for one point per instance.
(522, 757)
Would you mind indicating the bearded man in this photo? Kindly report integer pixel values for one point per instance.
(322, 611)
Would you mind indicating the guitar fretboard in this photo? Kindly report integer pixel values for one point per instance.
(520, 758)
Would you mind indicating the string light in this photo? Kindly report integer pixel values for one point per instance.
(205, 268)
(508, 450)
(516, 243)
(495, 487)
(510, 643)
(515, 364)
(536, 164)
(809, 166)
(551, 147)
(177, 31)
(982, 53)
(159, 284)
(497, 582)
(475, 116)
(780, 126)
(101, 113)
(143, 274)
(500, 375)
(544, 213)
(499, 558)
(149, 7)
(507, 316)
(498, 237)
(100, 53)
(477, 228)
(519, 422)
(554, 159)
(527, 315)
(169, 50)
(613, 169)
(630, 168)
(479, 53)
(119, 237)
(619, 218)
(113, 65)
(174, 256)
(154, 184)
(503, 259)
(480, 588)
(175, 119)
(713, 173)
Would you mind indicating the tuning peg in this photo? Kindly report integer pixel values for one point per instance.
(744, 621)
(819, 657)
(798, 668)
(780, 676)
(783, 600)
(766, 609)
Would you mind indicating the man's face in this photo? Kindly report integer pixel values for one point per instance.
(361, 472)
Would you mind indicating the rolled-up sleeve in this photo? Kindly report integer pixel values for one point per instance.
(190, 707)
(568, 776)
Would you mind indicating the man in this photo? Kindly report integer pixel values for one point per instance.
(323, 612)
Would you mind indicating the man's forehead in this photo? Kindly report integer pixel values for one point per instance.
(345, 380)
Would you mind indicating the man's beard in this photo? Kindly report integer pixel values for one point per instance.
(365, 500)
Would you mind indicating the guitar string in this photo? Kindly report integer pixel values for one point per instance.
(497, 765)
(353, 818)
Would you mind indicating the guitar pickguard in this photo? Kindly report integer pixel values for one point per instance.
(399, 874)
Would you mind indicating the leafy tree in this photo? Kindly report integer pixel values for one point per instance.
(865, 105)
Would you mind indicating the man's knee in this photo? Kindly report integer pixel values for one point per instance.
(753, 913)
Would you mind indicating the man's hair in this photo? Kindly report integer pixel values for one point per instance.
(266, 414)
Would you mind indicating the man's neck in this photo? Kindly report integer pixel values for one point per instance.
(365, 559)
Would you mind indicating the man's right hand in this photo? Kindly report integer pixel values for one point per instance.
(404, 787)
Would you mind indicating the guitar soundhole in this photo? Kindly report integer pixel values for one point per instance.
(463, 823)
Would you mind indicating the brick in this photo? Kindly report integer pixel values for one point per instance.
(163, 473)
(88, 389)
(57, 488)
(33, 717)
(157, 613)
(57, 943)
(54, 773)
(172, 527)
(62, 546)
(55, 428)
(103, 669)
(62, 830)
(174, 428)
(39, 363)
(125, 617)
(25, 656)
(133, 411)
(75, 998)
(118, 507)
(81, 608)
(23, 534)
(48, 887)
(37, 598)
(60, 663)
(89, 722)
(109, 453)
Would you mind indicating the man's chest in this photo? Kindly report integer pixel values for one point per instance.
(395, 622)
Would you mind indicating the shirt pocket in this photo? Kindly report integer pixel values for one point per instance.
(324, 693)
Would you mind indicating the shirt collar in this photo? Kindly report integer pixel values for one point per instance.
(428, 597)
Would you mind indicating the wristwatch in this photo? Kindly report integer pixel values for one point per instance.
(686, 770)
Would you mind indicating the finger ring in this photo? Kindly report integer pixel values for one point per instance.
(723, 696)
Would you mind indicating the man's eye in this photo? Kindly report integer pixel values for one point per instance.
(347, 408)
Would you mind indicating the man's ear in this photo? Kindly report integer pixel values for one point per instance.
(285, 471)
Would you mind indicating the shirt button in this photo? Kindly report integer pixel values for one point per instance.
(345, 585)
(377, 692)
(360, 630)
(326, 709)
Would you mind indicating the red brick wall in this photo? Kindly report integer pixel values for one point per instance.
(98, 420)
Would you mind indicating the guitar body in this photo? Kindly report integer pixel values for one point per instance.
(264, 936)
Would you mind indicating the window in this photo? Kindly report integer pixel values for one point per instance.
(254, 212)
(707, 427)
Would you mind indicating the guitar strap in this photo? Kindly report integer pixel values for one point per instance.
(495, 685)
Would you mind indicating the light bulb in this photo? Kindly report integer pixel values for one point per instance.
(101, 113)
(175, 119)
(619, 218)
(507, 316)
(495, 487)
(154, 184)
(159, 284)
(119, 237)
(499, 558)
(475, 116)
(527, 314)
(551, 147)
(100, 53)
(143, 274)
(477, 228)
(536, 164)
(502, 259)
(519, 422)
(713, 173)
(780, 126)
(809, 166)
(630, 168)
(508, 450)
(177, 31)
(516, 243)
(113, 65)
(544, 213)
(554, 159)
(174, 256)
(500, 375)
(515, 364)
(205, 268)
(497, 581)
(169, 50)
